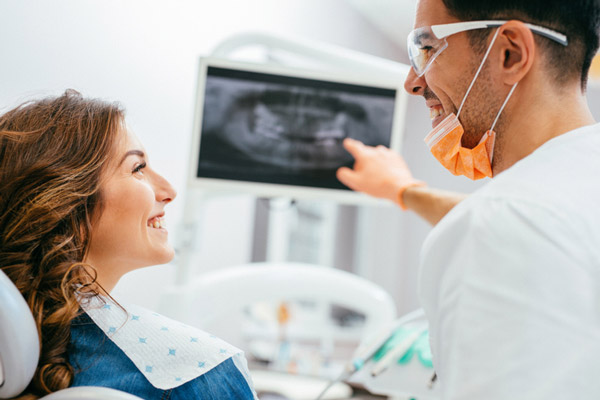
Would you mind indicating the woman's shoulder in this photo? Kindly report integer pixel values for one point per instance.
(224, 381)
(99, 361)
(167, 352)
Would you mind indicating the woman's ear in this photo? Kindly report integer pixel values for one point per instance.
(518, 50)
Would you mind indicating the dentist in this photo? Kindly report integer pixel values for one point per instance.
(510, 275)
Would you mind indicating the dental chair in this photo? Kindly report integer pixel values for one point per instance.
(228, 301)
(205, 299)
(20, 351)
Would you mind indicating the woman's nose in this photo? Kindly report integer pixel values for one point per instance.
(415, 85)
(165, 192)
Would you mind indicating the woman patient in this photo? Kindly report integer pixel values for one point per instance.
(80, 206)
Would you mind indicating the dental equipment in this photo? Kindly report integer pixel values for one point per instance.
(397, 352)
(366, 352)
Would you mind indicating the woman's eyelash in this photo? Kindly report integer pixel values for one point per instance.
(139, 167)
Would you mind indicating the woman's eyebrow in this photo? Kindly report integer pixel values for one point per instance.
(132, 153)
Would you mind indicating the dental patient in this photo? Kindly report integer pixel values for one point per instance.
(80, 206)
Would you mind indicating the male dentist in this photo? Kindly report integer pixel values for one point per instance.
(510, 275)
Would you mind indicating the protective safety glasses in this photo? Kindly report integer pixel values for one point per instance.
(426, 43)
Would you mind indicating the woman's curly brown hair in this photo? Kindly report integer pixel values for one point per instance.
(52, 156)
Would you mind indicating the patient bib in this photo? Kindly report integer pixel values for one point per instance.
(168, 353)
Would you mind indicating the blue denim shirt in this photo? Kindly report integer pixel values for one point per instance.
(99, 362)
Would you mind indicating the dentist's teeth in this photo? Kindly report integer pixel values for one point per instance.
(435, 112)
(156, 224)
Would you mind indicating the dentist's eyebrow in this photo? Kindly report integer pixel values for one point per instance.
(132, 153)
(421, 37)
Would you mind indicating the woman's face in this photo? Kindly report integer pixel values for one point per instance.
(130, 232)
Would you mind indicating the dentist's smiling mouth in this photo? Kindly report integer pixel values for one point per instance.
(436, 114)
(436, 109)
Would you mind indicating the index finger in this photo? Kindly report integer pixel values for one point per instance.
(354, 147)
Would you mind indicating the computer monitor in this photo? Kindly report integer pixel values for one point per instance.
(272, 131)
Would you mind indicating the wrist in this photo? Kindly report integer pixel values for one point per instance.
(402, 191)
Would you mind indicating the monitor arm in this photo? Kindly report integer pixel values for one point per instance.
(335, 57)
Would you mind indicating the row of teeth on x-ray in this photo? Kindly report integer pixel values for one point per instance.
(296, 130)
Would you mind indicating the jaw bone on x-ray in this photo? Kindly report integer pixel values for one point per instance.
(276, 129)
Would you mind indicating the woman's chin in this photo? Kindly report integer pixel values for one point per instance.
(167, 256)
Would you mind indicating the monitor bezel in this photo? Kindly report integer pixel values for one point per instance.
(269, 190)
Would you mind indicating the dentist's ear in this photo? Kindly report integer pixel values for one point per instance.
(518, 51)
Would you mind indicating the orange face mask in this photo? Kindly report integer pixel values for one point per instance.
(444, 141)
(445, 144)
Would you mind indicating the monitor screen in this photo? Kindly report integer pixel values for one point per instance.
(280, 129)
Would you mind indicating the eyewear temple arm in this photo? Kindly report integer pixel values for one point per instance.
(442, 31)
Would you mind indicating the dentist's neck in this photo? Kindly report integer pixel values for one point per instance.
(534, 117)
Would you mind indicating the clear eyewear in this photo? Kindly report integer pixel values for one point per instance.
(426, 43)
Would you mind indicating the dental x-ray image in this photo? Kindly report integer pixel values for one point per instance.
(267, 128)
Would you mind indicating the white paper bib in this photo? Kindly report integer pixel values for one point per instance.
(167, 352)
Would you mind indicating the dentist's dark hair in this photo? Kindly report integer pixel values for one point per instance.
(53, 153)
(577, 19)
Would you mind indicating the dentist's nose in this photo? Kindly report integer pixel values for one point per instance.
(415, 85)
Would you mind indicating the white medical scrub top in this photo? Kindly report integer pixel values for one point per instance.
(510, 280)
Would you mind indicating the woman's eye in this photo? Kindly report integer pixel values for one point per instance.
(139, 168)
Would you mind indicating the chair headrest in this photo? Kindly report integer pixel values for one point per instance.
(19, 340)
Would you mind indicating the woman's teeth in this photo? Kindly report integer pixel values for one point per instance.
(435, 112)
(157, 223)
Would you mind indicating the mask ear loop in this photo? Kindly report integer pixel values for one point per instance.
(487, 53)
(503, 105)
(498, 116)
